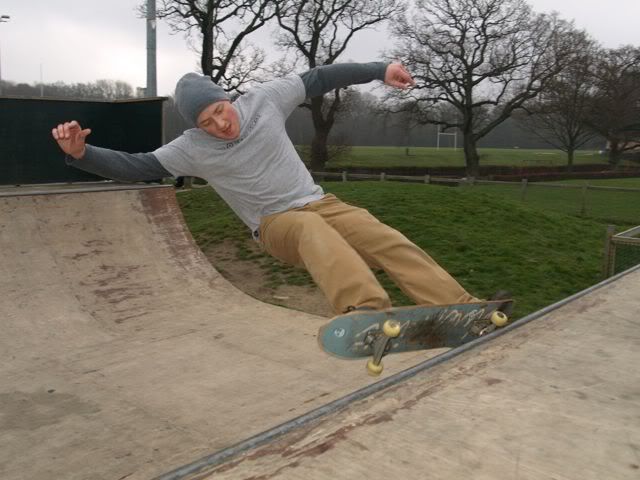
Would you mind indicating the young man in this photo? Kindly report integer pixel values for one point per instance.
(243, 151)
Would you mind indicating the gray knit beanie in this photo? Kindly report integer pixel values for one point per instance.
(194, 93)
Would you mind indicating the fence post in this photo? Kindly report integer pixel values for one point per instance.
(427, 179)
(583, 208)
(609, 252)
(344, 176)
(382, 175)
(523, 190)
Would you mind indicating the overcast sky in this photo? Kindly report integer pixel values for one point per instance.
(85, 40)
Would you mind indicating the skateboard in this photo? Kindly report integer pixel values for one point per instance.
(377, 333)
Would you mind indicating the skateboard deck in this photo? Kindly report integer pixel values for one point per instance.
(363, 333)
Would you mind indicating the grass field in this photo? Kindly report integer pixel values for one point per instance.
(486, 241)
(607, 182)
(448, 157)
(614, 207)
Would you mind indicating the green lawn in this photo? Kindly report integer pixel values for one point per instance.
(607, 182)
(448, 157)
(486, 241)
(615, 207)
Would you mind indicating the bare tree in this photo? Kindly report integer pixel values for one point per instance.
(615, 111)
(225, 56)
(485, 58)
(318, 32)
(559, 114)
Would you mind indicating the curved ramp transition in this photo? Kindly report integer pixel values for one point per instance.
(125, 354)
(554, 396)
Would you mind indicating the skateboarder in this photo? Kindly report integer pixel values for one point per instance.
(243, 151)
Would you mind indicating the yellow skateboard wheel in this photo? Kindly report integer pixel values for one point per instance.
(499, 319)
(391, 328)
(373, 369)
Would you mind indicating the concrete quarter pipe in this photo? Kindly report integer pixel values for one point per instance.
(554, 396)
(125, 354)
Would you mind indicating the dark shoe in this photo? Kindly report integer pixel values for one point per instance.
(507, 307)
(485, 326)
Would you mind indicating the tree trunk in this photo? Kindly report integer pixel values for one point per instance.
(319, 151)
(471, 156)
(322, 126)
(614, 152)
(570, 157)
(206, 60)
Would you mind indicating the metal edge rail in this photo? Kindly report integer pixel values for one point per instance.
(335, 406)
(26, 191)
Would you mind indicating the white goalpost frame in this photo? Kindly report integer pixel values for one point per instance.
(455, 138)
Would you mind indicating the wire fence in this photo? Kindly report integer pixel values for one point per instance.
(622, 250)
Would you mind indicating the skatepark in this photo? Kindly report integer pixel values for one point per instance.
(128, 356)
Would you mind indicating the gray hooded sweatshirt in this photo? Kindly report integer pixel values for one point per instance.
(259, 173)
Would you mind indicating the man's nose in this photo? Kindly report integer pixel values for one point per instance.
(221, 122)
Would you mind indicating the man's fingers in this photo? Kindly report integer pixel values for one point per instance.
(69, 130)
(399, 77)
(402, 83)
(405, 76)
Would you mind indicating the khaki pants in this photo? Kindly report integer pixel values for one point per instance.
(337, 243)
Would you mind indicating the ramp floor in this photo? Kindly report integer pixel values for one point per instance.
(125, 354)
(557, 398)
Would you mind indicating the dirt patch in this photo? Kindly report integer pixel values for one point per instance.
(251, 278)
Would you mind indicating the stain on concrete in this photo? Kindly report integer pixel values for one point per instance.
(33, 410)
(492, 381)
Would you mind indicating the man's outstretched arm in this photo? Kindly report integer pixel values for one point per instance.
(121, 166)
(324, 79)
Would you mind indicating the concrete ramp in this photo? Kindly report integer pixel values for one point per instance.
(555, 396)
(125, 354)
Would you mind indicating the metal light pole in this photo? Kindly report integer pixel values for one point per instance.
(3, 18)
(152, 89)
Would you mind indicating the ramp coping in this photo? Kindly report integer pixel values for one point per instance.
(47, 189)
(265, 437)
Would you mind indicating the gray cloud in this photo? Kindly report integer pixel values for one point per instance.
(86, 40)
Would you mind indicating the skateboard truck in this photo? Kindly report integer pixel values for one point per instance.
(498, 319)
(390, 329)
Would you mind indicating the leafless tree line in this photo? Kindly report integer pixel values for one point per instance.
(476, 64)
(480, 62)
(98, 90)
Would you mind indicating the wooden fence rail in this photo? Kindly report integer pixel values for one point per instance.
(345, 176)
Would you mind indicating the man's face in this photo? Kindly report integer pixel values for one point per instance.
(220, 119)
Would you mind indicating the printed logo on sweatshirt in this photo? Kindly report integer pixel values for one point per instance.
(248, 131)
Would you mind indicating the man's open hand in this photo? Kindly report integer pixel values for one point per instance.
(70, 137)
(398, 76)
